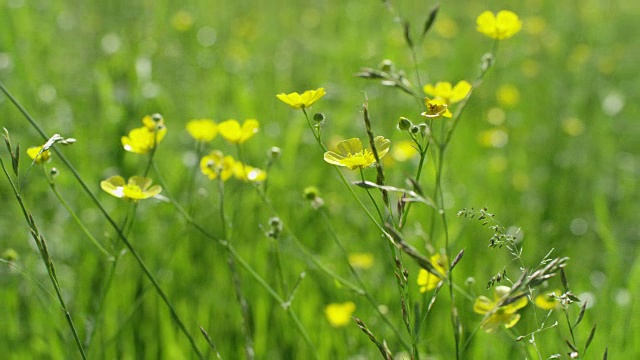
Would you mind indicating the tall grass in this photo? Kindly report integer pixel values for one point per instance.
(558, 161)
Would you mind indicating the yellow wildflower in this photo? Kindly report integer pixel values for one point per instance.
(136, 188)
(501, 26)
(247, 173)
(234, 133)
(361, 260)
(143, 139)
(216, 164)
(504, 315)
(445, 91)
(202, 129)
(436, 108)
(429, 281)
(548, 300)
(352, 155)
(339, 315)
(305, 100)
(37, 155)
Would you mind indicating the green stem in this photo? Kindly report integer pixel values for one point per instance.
(46, 258)
(113, 224)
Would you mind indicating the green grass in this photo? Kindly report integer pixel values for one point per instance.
(91, 71)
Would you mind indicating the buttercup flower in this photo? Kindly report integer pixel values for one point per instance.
(352, 155)
(234, 133)
(202, 129)
(428, 281)
(546, 302)
(504, 315)
(216, 164)
(37, 156)
(143, 139)
(305, 100)
(450, 94)
(137, 188)
(501, 26)
(436, 108)
(339, 315)
(247, 173)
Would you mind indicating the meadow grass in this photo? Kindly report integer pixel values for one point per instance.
(546, 143)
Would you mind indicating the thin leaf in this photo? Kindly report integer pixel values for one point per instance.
(583, 308)
(430, 20)
(590, 338)
(407, 34)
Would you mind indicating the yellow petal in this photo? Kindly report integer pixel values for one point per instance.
(382, 145)
(333, 158)
(249, 128)
(350, 146)
(460, 91)
(511, 320)
(202, 129)
(483, 305)
(114, 186)
(230, 130)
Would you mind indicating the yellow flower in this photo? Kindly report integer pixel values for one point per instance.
(351, 154)
(247, 173)
(137, 188)
(216, 164)
(436, 108)
(305, 100)
(234, 133)
(339, 314)
(429, 281)
(450, 94)
(361, 260)
(501, 26)
(202, 129)
(143, 139)
(547, 302)
(37, 156)
(503, 315)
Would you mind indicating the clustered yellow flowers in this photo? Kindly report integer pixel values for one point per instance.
(428, 281)
(505, 315)
(352, 155)
(136, 188)
(297, 101)
(144, 139)
(37, 155)
(501, 26)
(217, 165)
(339, 314)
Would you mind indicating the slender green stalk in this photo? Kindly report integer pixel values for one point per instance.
(113, 224)
(44, 253)
(75, 217)
(365, 292)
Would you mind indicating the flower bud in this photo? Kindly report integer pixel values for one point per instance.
(311, 193)
(414, 129)
(386, 65)
(274, 152)
(404, 124)
(318, 117)
(53, 172)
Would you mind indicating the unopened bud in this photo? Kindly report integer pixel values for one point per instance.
(414, 129)
(404, 124)
(386, 65)
(275, 152)
(319, 117)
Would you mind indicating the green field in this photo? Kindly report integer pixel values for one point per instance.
(548, 142)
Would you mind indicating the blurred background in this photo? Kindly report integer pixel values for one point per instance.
(549, 143)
